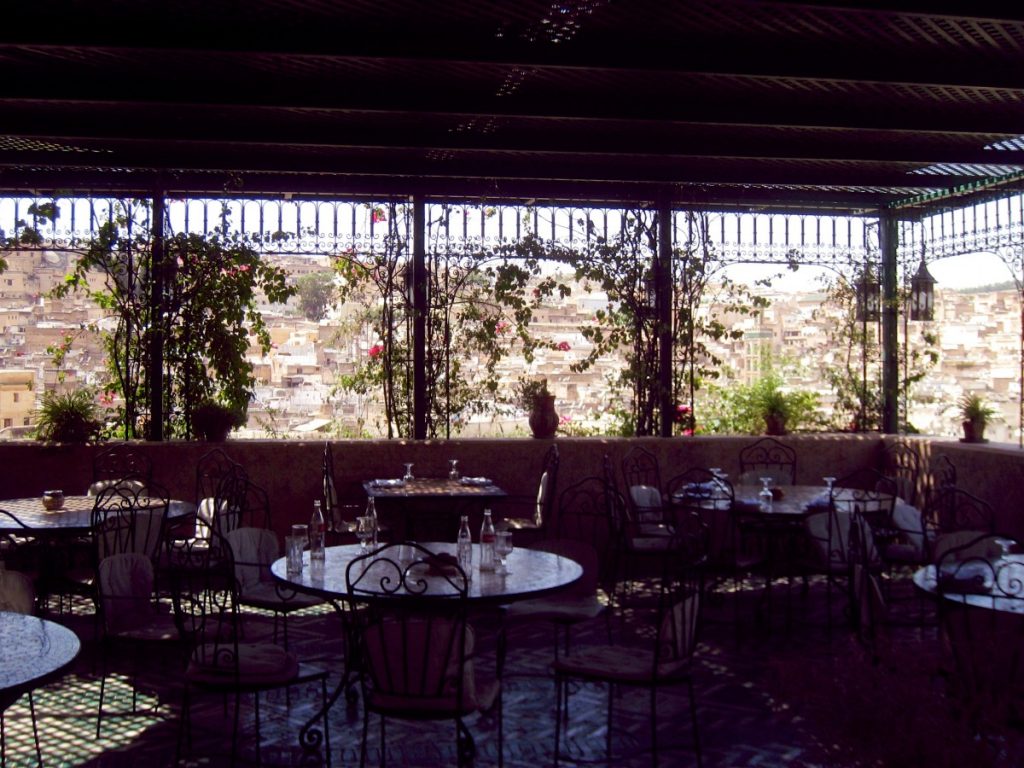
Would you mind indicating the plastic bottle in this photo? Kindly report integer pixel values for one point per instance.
(464, 545)
(317, 553)
(371, 511)
(487, 559)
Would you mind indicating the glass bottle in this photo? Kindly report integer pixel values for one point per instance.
(464, 545)
(317, 554)
(371, 512)
(487, 559)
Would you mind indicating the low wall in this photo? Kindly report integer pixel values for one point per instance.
(290, 471)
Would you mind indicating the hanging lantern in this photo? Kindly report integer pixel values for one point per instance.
(869, 297)
(922, 294)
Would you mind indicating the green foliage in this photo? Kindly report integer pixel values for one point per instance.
(528, 390)
(316, 292)
(212, 420)
(974, 408)
(71, 417)
(743, 408)
(211, 290)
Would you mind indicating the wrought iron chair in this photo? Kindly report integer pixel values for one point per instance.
(644, 492)
(768, 457)
(951, 517)
(543, 502)
(981, 601)
(584, 536)
(660, 651)
(901, 463)
(117, 463)
(205, 598)
(254, 550)
(415, 643)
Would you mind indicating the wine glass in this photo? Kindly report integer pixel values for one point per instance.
(453, 469)
(503, 548)
(408, 472)
(765, 497)
(364, 531)
(828, 484)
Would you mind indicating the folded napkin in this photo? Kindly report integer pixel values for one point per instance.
(389, 483)
(971, 577)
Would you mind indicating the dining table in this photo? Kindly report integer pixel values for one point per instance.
(29, 517)
(33, 651)
(529, 573)
(424, 507)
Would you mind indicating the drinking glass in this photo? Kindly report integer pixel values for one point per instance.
(364, 531)
(293, 552)
(408, 472)
(453, 471)
(503, 548)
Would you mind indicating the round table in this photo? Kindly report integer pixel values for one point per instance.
(531, 573)
(74, 518)
(32, 652)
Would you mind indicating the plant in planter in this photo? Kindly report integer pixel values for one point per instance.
(976, 414)
(535, 398)
(70, 417)
(212, 421)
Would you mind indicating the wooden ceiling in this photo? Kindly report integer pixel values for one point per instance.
(816, 106)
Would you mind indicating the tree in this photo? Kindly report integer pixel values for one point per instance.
(316, 292)
(210, 310)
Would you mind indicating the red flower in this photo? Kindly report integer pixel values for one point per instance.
(378, 215)
(376, 350)
(564, 346)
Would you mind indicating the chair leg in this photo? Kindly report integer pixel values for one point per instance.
(608, 729)
(362, 746)
(654, 725)
(559, 685)
(256, 714)
(383, 743)
(327, 731)
(693, 720)
(35, 728)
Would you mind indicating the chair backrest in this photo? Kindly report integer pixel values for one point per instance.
(681, 589)
(121, 461)
(253, 551)
(901, 463)
(224, 509)
(204, 592)
(700, 492)
(951, 509)
(128, 519)
(212, 466)
(769, 458)
(125, 586)
(17, 593)
(643, 488)
(941, 472)
(866, 495)
(546, 487)
(413, 636)
(583, 515)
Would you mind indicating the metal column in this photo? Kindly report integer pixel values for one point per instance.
(419, 324)
(157, 311)
(888, 239)
(663, 311)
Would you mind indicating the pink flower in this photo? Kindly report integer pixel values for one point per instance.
(501, 326)
(376, 350)
(378, 215)
(564, 346)
(564, 419)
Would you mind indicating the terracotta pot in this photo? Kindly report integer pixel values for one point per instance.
(543, 419)
(974, 431)
(774, 424)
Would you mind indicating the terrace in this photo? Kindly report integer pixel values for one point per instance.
(900, 119)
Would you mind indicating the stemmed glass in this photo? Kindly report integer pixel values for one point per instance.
(453, 471)
(828, 484)
(408, 472)
(364, 531)
(765, 497)
(503, 548)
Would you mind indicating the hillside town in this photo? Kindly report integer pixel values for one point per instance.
(299, 388)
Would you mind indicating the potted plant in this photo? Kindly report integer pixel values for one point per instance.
(976, 414)
(212, 421)
(69, 417)
(535, 399)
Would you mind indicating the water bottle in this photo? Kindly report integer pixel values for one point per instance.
(465, 546)
(371, 512)
(317, 553)
(487, 559)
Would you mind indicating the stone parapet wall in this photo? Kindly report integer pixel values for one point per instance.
(290, 471)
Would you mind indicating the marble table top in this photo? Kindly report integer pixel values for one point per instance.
(531, 573)
(74, 518)
(32, 650)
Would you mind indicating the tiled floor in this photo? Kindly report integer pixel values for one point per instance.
(783, 693)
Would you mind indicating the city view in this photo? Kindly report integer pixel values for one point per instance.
(299, 390)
